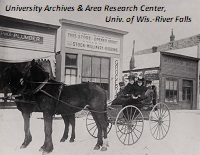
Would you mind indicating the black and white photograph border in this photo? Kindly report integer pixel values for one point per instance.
(80, 55)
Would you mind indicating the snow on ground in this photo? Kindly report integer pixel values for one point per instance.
(183, 137)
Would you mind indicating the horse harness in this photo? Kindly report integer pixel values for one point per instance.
(39, 88)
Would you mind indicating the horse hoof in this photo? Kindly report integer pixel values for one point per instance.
(71, 140)
(41, 149)
(62, 140)
(103, 148)
(45, 153)
(96, 147)
(23, 146)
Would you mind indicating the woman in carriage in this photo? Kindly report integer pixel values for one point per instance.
(127, 93)
(138, 92)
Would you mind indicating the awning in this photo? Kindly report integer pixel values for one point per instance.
(13, 55)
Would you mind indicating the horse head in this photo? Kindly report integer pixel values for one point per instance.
(11, 77)
(35, 75)
(37, 72)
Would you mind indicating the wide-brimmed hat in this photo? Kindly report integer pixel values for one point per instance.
(140, 79)
(131, 77)
(121, 84)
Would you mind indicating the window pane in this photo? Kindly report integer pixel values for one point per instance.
(1, 95)
(73, 71)
(86, 72)
(67, 79)
(9, 94)
(104, 68)
(167, 84)
(73, 79)
(71, 60)
(95, 67)
(171, 86)
(175, 85)
(67, 71)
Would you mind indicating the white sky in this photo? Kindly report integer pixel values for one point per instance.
(145, 35)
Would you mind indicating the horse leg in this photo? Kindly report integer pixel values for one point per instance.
(48, 144)
(104, 125)
(99, 135)
(28, 137)
(66, 121)
(72, 122)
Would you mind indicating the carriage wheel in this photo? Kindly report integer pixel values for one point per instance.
(159, 120)
(92, 127)
(129, 125)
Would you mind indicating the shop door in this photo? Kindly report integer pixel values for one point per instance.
(187, 94)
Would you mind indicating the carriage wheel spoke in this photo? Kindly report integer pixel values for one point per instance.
(91, 123)
(165, 116)
(125, 135)
(92, 127)
(154, 118)
(163, 134)
(95, 130)
(155, 130)
(164, 113)
(155, 125)
(156, 115)
(135, 134)
(132, 137)
(165, 124)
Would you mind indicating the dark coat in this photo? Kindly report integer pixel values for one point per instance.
(130, 89)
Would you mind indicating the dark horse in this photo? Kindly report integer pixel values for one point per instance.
(56, 98)
(11, 77)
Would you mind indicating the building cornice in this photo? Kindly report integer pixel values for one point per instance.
(91, 26)
(177, 44)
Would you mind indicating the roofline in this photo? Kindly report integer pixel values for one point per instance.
(29, 22)
(137, 70)
(179, 55)
(71, 22)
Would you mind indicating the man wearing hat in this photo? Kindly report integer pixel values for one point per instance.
(149, 93)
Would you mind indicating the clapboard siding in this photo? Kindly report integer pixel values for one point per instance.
(47, 45)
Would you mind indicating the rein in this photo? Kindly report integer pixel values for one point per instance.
(42, 84)
(85, 108)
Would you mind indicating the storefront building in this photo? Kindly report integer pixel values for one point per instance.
(90, 53)
(23, 40)
(175, 75)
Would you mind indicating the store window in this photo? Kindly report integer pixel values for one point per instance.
(187, 91)
(70, 69)
(96, 69)
(171, 92)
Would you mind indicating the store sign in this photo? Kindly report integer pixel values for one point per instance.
(20, 36)
(151, 74)
(93, 42)
(116, 76)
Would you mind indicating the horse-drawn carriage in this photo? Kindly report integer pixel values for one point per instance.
(129, 121)
(67, 100)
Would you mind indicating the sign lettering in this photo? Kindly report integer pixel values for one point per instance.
(93, 42)
(21, 37)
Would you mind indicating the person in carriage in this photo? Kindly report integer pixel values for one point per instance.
(138, 92)
(150, 95)
(125, 91)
